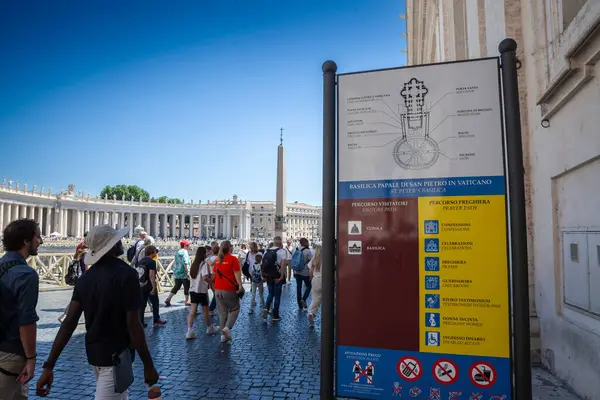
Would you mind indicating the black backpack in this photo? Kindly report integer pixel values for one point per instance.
(269, 264)
(142, 270)
(73, 273)
(3, 268)
(246, 268)
(131, 251)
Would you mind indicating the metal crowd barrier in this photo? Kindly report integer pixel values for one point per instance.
(52, 268)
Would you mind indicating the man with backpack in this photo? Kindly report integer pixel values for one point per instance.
(19, 288)
(274, 265)
(134, 251)
(300, 259)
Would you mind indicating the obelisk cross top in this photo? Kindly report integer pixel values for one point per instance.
(281, 136)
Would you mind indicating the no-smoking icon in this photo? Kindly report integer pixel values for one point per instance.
(482, 374)
(409, 369)
(445, 371)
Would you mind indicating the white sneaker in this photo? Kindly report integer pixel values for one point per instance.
(311, 319)
(190, 335)
(212, 330)
(223, 339)
(226, 333)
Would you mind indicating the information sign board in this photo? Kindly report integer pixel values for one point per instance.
(422, 280)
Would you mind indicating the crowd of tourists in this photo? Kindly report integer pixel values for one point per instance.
(113, 286)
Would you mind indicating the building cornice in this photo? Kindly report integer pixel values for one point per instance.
(575, 58)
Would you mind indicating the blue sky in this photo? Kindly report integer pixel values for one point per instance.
(184, 99)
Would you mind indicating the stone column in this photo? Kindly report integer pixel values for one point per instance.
(78, 223)
(217, 223)
(147, 223)
(8, 214)
(248, 225)
(164, 228)
(139, 219)
(61, 222)
(40, 218)
(130, 223)
(181, 225)
(105, 217)
(89, 220)
(68, 223)
(1, 217)
(242, 225)
(96, 218)
(48, 220)
(122, 219)
(155, 225)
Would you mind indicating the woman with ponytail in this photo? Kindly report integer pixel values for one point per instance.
(200, 276)
(228, 288)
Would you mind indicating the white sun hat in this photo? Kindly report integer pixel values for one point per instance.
(100, 240)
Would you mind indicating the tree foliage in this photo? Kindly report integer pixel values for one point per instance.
(126, 192)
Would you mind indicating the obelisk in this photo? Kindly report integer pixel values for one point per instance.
(280, 210)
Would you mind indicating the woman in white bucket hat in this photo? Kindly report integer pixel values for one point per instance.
(110, 296)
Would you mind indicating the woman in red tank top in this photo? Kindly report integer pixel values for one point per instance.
(228, 284)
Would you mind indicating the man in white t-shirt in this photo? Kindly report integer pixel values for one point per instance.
(242, 254)
(275, 275)
(139, 245)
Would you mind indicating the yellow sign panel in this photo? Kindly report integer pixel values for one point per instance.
(463, 275)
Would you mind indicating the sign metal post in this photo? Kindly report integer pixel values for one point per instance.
(518, 220)
(328, 235)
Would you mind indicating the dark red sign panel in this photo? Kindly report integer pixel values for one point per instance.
(378, 275)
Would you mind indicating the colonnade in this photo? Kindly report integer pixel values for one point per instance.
(75, 221)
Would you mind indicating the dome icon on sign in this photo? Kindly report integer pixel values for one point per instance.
(354, 227)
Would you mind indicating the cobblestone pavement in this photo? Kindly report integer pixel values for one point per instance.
(265, 360)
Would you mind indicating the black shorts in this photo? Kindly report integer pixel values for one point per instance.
(199, 298)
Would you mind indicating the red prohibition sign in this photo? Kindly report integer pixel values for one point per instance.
(445, 371)
(483, 374)
(409, 369)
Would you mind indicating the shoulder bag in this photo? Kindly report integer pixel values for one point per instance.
(241, 289)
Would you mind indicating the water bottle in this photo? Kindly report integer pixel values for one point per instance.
(154, 393)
